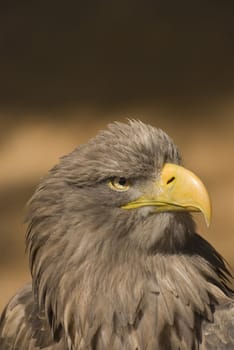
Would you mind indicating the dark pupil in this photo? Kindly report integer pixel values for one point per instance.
(122, 181)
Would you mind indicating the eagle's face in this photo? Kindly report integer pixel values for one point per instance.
(123, 180)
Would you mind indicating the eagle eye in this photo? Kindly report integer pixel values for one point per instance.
(120, 184)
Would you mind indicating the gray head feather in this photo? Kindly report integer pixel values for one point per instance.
(104, 274)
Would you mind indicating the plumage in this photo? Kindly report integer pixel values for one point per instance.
(110, 271)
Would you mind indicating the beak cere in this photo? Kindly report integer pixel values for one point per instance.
(176, 189)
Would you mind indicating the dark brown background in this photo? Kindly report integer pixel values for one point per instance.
(67, 70)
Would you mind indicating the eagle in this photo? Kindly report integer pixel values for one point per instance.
(115, 258)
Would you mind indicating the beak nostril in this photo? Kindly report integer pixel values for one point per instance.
(170, 180)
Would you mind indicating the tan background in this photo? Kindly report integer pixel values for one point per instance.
(67, 72)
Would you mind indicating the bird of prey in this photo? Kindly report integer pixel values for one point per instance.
(115, 259)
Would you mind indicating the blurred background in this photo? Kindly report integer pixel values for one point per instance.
(67, 70)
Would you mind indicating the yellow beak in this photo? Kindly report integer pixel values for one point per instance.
(176, 189)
